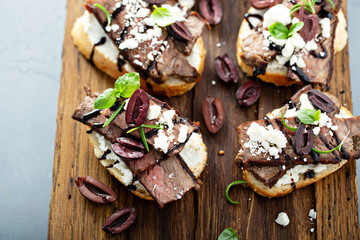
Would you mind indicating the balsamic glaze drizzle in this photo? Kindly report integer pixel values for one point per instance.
(250, 15)
(105, 154)
(95, 126)
(318, 55)
(90, 115)
(102, 41)
(301, 74)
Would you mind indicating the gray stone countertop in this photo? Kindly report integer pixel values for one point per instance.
(30, 66)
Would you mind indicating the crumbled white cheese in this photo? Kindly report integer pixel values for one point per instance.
(312, 230)
(153, 112)
(115, 27)
(183, 133)
(297, 41)
(316, 130)
(295, 20)
(161, 141)
(265, 140)
(342, 114)
(305, 102)
(311, 45)
(325, 27)
(143, 12)
(167, 119)
(278, 13)
(289, 48)
(129, 44)
(312, 213)
(171, 175)
(187, 3)
(282, 219)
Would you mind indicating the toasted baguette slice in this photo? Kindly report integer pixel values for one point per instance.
(277, 74)
(194, 154)
(87, 32)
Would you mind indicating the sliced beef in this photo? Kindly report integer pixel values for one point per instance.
(142, 164)
(254, 52)
(86, 114)
(168, 181)
(318, 70)
(268, 175)
(166, 61)
(195, 25)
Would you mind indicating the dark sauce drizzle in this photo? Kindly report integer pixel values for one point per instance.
(90, 115)
(117, 11)
(95, 126)
(310, 173)
(318, 55)
(301, 74)
(102, 41)
(105, 154)
(109, 166)
(329, 147)
(131, 188)
(249, 15)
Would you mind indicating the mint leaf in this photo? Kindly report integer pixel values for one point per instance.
(295, 28)
(107, 14)
(306, 116)
(106, 99)
(279, 30)
(127, 84)
(228, 234)
(163, 16)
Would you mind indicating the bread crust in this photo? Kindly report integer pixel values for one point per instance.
(277, 191)
(280, 78)
(172, 87)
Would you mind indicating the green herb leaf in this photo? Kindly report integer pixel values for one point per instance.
(279, 30)
(228, 188)
(113, 116)
(287, 126)
(317, 115)
(306, 116)
(336, 148)
(163, 16)
(308, 5)
(106, 99)
(127, 84)
(332, 4)
(107, 14)
(142, 134)
(295, 28)
(147, 126)
(228, 234)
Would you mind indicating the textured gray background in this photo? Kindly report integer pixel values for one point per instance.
(30, 65)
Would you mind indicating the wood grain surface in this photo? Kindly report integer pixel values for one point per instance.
(206, 213)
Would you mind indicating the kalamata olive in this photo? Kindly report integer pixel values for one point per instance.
(94, 190)
(248, 93)
(261, 4)
(321, 101)
(137, 108)
(211, 10)
(214, 114)
(120, 220)
(154, 1)
(128, 148)
(304, 140)
(226, 69)
(311, 25)
(179, 31)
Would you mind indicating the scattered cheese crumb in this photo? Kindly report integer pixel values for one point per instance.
(282, 219)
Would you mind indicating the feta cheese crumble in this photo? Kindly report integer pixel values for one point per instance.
(265, 140)
(282, 219)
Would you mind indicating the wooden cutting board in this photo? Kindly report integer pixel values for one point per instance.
(206, 213)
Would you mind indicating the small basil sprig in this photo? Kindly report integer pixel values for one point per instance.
(125, 86)
(163, 16)
(336, 148)
(107, 14)
(280, 31)
(308, 116)
(228, 188)
(228, 234)
(308, 5)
